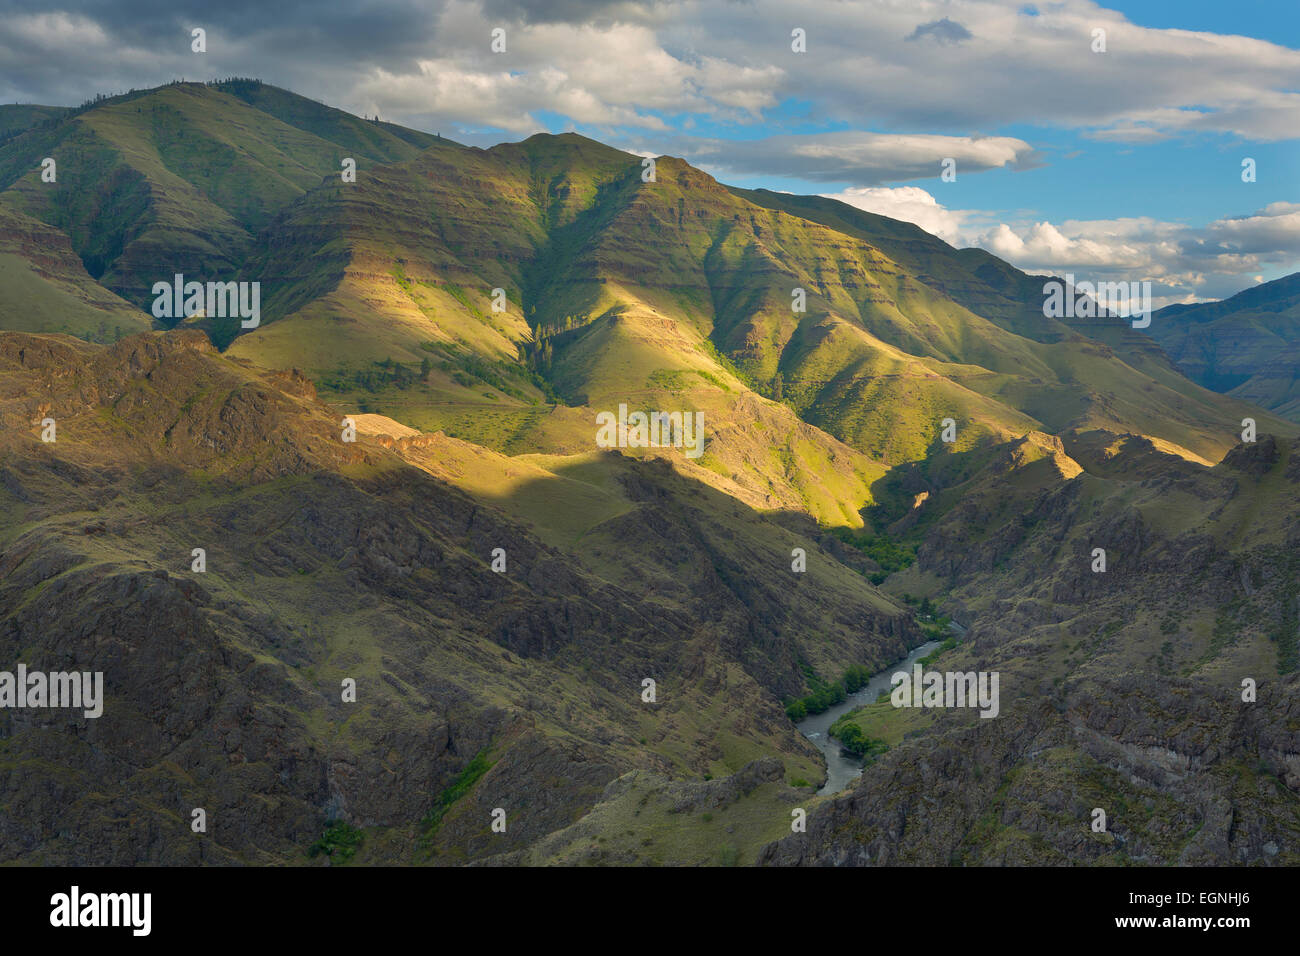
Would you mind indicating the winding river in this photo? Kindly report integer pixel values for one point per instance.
(842, 769)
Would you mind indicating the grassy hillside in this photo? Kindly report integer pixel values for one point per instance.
(180, 178)
(616, 287)
(16, 118)
(674, 293)
(45, 288)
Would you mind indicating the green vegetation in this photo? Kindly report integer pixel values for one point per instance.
(854, 740)
(823, 696)
(339, 842)
(462, 785)
(935, 626)
(711, 350)
(948, 644)
(890, 555)
(667, 379)
(375, 378)
(1287, 637)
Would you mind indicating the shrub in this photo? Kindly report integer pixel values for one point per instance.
(339, 842)
(852, 739)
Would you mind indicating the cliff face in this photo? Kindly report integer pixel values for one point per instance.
(328, 561)
(1215, 786)
(1159, 687)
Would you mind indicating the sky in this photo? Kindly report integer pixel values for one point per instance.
(1114, 155)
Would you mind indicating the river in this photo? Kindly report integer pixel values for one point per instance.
(843, 769)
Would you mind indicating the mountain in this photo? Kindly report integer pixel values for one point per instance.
(1121, 690)
(674, 288)
(1247, 345)
(636, 284)
(471, 312)
(328, 561)
(183, 175)
(17, 118)
(44, 286)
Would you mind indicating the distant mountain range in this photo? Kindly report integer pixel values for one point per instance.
(471, 312)
(1247, 345)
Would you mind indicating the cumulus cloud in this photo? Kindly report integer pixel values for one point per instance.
(861, 157)
(911, 204)
(1184, 263)
(1208, 261)
(570, 11)
(730, 62)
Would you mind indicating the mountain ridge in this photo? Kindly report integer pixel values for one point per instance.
(500, 587)
(1244, 345)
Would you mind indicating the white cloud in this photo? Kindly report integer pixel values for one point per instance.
(611, 62)
(611, 74)
(1184, 263)
(1016, 68)
(859, 157)
(911, 204)
(703, 63)
(733, 63)
(1208, 261)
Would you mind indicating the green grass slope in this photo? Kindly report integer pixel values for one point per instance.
(179, 179)
(45, 288)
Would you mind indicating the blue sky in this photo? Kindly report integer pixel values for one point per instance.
(1120, 164)
(1274, 20)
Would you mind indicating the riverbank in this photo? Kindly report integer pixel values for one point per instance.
(841, 768)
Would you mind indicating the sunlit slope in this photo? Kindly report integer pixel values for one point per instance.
(179, 179)
(411, 256)
(618, 286)
(507, 295)
(1102, 373)
(406, 256)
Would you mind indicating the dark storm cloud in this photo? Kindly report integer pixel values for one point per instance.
(944, 32)
(568, 11)
(84, 47)
(359, 29)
